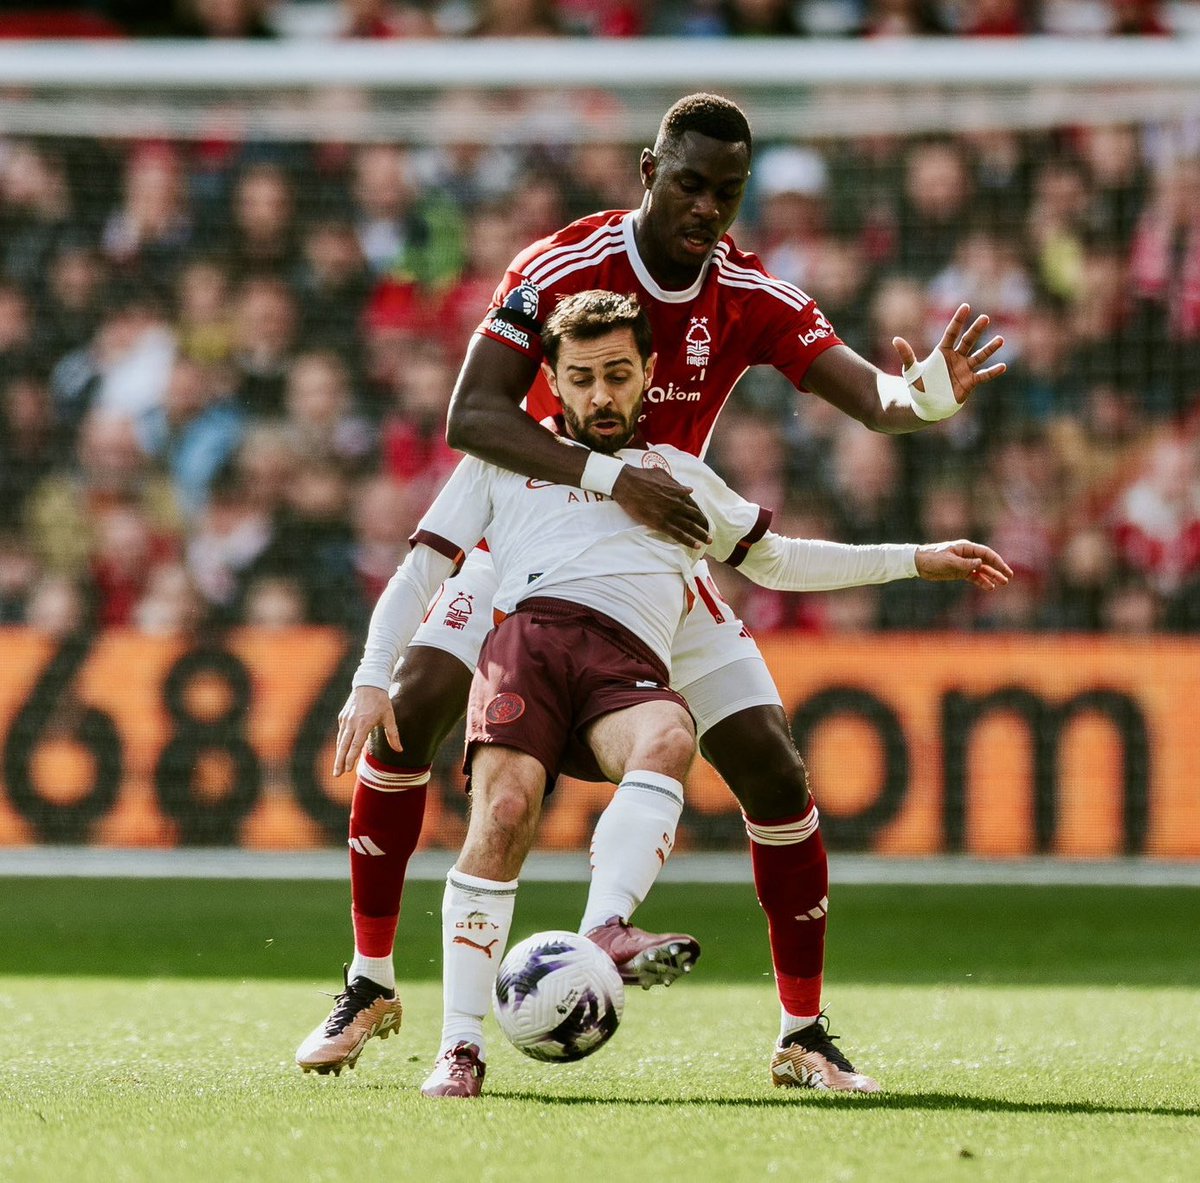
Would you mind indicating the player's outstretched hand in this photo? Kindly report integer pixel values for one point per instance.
(654, 498)
(963, 360)
(367, 707)
(980, 565)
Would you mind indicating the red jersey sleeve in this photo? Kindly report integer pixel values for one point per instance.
(515, 315)
(540, 274)
(794, 332)
(515, 319)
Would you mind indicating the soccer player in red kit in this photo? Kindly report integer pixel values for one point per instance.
(715, 312)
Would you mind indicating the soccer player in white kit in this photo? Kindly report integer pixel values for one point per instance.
(715, 311)
(576, 675)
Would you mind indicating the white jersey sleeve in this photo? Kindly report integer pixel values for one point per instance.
(398, 614)
(459, 517)
(452, 526)
(807, 564)
(741, 539)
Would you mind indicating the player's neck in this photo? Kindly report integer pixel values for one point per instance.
(669, 275)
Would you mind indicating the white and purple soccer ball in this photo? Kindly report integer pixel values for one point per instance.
(558, 996)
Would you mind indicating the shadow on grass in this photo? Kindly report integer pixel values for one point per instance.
(933, 1101)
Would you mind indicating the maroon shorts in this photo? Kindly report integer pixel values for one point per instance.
(549, 670)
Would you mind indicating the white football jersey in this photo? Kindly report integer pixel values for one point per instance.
(560, 541)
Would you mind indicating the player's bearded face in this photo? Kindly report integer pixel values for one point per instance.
(604, 430)
(600, 384)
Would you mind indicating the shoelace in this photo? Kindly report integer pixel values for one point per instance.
(818, 1039)
(462, 1062)
(349, 1003)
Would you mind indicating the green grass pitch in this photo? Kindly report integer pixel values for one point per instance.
(147, 1029)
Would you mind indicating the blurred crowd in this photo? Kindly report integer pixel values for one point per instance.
(603, 18)
(225, 368)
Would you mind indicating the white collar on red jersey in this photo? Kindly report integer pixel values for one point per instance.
(644, 277)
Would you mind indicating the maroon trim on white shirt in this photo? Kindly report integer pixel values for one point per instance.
(742, 549)
(443, 546)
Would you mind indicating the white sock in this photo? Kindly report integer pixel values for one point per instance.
(476, 918)
(633, 839)
(789, 1024)
(379, 969)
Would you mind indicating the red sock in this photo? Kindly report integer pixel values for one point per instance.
(791, 876)
(385, 823)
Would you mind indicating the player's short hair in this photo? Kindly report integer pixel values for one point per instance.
(588, 315)
(709, 115)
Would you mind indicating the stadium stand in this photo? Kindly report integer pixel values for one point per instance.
(222, 353)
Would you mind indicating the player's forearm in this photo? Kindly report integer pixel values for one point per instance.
(399, 613)
(894, 412)
(805, 564)
(877, 400)
(487, 421)
(488, 426)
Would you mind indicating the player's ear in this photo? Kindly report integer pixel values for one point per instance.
(649, 371)
(648, 167)
(551, 381)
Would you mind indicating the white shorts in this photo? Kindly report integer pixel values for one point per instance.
(715, 663)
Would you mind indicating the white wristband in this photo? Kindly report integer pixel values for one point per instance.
(600, 473)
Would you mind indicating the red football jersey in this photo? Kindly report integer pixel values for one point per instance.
(734, 316)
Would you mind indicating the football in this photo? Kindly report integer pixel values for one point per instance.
(558, 996)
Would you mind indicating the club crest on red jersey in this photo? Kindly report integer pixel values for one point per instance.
(504, 708)
(699, 342)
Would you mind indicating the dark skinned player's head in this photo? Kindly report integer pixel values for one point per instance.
(710, 115)
(695, 177)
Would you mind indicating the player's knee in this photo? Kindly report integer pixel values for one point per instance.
(785, 766)
(508, 810)
(429, 700)
(383, 751)
(768, 779)
(780, 791)
(668, 750)
(413, 725)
